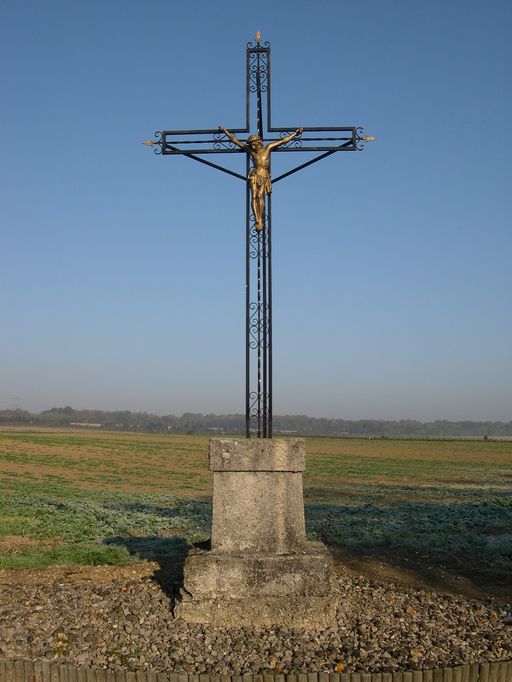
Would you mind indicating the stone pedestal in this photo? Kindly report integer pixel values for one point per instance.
(260, 570)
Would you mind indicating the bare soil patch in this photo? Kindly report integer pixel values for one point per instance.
(79, 575)
(14, 543)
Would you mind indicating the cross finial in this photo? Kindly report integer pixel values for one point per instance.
(258, 37)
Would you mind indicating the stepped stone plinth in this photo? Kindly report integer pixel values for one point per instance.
(261, 570)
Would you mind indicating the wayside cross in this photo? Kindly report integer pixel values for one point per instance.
(257, 149)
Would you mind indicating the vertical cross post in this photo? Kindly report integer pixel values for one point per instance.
(258, 328)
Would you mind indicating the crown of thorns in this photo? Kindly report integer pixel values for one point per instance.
(254, 138)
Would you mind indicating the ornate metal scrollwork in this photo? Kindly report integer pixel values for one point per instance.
(258, 411)
(296, 142)
(255, 45)
(158, 147)
(258, 68)
(254, 242)
(360, 139)
(259, 325)
(257, 245)
(221, 141)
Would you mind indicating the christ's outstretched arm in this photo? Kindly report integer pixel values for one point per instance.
(288, 138)
(232, 137)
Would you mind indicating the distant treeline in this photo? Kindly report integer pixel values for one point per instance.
(191, 422)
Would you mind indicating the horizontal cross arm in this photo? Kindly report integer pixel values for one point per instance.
(204, 131)
(215, 143)
(315, 129)
(348, 146)
(171, 149)
(346, 141)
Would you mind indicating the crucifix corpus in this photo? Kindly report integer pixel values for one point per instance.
(260, 570)
(259, 176)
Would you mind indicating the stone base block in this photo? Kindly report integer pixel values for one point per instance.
(258, 501)
(289, 612)
(294, 590)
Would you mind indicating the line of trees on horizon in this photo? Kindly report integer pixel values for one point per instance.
(300, 425)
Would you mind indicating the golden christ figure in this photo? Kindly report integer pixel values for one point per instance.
(259, 176)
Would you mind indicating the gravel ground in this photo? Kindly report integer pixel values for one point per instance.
(128, 624)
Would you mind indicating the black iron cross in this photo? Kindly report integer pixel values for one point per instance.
(197, 143)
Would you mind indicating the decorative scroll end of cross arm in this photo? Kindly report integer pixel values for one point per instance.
(156, 144)
(362, 139)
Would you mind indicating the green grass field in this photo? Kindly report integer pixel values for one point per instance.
(92, 498)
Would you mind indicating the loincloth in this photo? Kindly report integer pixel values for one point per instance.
(262, 180)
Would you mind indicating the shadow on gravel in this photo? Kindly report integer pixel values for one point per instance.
(441, 572)
(169, 553)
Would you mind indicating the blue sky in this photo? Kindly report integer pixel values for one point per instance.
(122, 273)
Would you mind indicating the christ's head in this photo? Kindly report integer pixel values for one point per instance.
(255, 142)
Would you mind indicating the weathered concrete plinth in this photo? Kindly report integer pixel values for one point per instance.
(260, 570)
